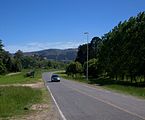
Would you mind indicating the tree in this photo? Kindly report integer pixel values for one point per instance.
(82, 54)
(74, 68)
(122, 52)
(9, 64)
(94, 47)
(1, 46)
(92, 68)
(18, 54)
(18, 58)
(2, 59)
(2, 68)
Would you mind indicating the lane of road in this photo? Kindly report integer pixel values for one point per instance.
(78, 101)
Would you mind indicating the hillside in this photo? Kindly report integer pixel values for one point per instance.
(56, 54)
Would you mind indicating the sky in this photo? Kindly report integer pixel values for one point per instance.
(32, 25)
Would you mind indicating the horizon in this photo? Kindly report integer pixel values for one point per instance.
(51, 49)
(49, 24)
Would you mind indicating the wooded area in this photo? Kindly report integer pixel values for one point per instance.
(18, 61)
(119, 54)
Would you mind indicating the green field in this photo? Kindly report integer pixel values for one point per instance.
(16, 100)
(116, 86)
(20, 78)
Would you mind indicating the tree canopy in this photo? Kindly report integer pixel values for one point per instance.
(18, 61)
(120, 52)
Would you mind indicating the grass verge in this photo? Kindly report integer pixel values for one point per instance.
(17, 100)
(130, 90)
(77, 78)
(110, 85)
(20, 78)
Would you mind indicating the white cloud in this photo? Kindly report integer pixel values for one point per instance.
(35, 46)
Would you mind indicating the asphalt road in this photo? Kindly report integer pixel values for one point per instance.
(79, 101)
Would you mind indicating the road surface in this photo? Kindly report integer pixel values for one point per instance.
(78, 101)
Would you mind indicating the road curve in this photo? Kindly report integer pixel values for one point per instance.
(78, 101)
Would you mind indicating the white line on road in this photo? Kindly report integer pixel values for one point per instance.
(63, 117)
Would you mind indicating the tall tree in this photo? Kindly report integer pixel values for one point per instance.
(93, 51)
(74, 68)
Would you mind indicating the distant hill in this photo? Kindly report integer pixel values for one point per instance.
(56, 54)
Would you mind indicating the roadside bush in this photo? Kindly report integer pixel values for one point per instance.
(93, 70)
(74, 68)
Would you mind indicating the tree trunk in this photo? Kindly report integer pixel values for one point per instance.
(131, 78)
(122, 77)
(116, 77)
(134, 77)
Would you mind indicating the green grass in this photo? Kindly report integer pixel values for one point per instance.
(77, 78)
(17, 100)
(118, 86)
(131, 90)
(20, 78)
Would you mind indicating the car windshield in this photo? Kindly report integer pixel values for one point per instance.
(55, 76)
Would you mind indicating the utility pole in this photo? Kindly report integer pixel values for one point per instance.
(87, 54)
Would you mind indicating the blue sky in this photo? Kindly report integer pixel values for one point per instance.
(31, 25)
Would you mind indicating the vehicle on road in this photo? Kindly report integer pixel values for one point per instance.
(55, 78)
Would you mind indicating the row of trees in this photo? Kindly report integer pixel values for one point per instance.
(119, 54)
(77, 69)
(18, 61)
(123, 51)
(8, 63)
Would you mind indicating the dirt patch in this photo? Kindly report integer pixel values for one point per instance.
(34, 85)
(49, 113)
(41, 111)
(13, 73)
(39, 106)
